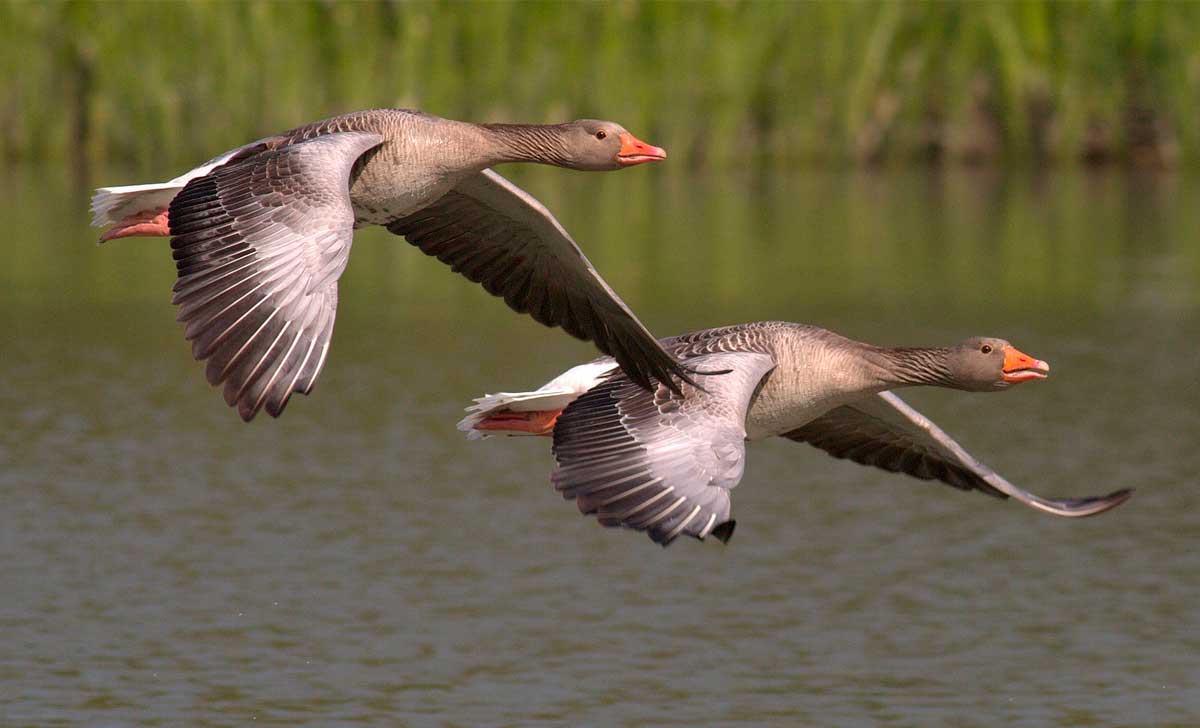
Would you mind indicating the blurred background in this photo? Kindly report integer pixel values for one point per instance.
(903, 173)
(742, 83)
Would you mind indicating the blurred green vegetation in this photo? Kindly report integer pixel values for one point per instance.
(166, 84)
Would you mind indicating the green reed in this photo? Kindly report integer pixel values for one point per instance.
(160, 84)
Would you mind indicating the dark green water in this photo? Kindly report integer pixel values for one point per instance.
(357, 562)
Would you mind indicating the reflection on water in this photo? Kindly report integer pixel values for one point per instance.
(358, 562)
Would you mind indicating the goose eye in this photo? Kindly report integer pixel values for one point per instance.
(986, 348)
(601, 134)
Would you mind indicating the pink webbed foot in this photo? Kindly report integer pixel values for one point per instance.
(151, 223)
(535, 423)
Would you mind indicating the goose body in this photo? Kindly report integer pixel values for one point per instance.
(665, 462)
(262, 233)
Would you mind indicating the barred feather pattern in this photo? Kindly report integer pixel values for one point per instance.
(918, 366)
(659, 461)
(542, 142)
(259, 245)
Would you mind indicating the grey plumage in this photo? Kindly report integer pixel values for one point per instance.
(861, 433)
(658, 461)
(262, 233)
(259, 245)
(666, 462)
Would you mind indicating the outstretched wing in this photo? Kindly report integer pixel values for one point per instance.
(259, 245)
(885, 432)
(498, 235)
(658, 461)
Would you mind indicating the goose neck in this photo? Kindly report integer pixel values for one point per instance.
(911, 366)
(539, 143)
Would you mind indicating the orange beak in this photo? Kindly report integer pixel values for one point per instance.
(636, 151)
(1020, 367)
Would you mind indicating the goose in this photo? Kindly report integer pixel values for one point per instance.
(664, 462)
(261, 234)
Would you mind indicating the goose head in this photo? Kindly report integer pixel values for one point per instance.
(596, 145)
(983, 363)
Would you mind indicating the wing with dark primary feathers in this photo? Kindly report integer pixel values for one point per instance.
(883, 431)
(259, 245)
(658, 461)
(498, 235)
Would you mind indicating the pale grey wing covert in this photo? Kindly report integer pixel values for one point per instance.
(658, 461)
(497, 235)
(259, 245)
(885, 432)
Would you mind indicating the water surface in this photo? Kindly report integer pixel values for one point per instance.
(357, 562)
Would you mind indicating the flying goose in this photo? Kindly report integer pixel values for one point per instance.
(665, 462)
(261, 234)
